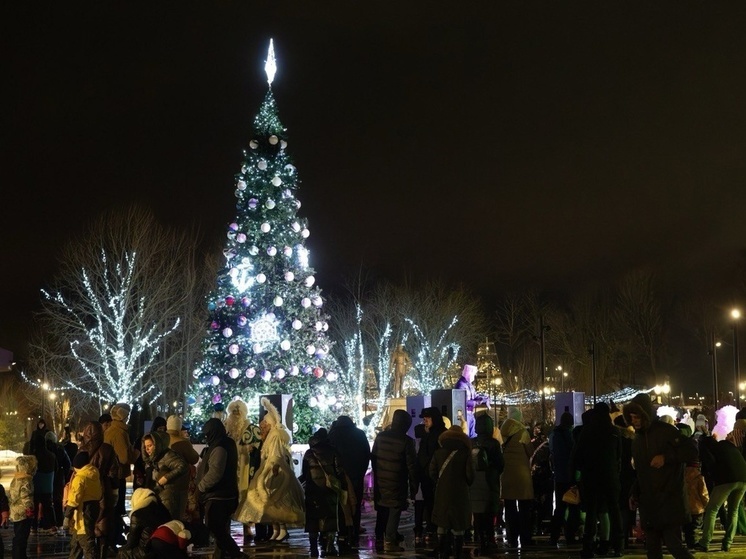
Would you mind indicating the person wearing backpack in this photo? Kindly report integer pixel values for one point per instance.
(484, 494)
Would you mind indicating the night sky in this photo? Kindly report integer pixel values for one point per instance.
(502, 144)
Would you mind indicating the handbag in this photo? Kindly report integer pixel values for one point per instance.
(335, 484)
(572, 496)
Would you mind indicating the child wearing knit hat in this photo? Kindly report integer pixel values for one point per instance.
(170, 540)
(82, 508)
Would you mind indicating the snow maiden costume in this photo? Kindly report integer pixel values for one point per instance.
(275, 495)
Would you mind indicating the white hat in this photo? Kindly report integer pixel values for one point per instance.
(173, 423)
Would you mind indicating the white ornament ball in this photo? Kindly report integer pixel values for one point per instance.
(276, 181)
(305, 302)
(317, 301)
(287, 251)
(294, 370)
(296, 226)
(250, 372)
(289, 276)
(297, 204)
(257, 348)
(271, 251)
(241, 185)
(325, 327)
(227, 332)
(253, 144)
(273, 140)
(233, 350)
(278, 301)
(313, 402)
(233, 373)
(196, 372)
(305, 233)
(311, 349)
(241, 238)
(266, 375)
(215, 380)
(331, 400)
(270, 204)
(262, 164)
(319, 326)
(310, 281)
(285, 345)
(233, 272)
(283, 144)
(265, 227)
(261, 278)
(297, 324)
(280, 373)
(254, 250)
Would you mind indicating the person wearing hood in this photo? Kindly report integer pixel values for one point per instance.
(452, 470)
(21, 503)
(660, 453)
(560, 451)
(218, 484)
(61, 475)
(353, 449)
(147, 513)
(488, 461)
(394, 473)
(429, 445)
(597, 456)
(166, 472)
(138, 466)
(46, 521)
(517, 487)
(320, 462)
(103, 457)
(81, 510)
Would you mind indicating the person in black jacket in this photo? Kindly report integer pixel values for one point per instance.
(62, 473)
(218, 486)
(728, 468)
(597, 456)
(353, 448)
(434, 427)
(394, 473)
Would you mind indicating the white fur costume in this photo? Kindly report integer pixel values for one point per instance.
(272, 497)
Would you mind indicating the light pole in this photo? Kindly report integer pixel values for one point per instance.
(736, 314)
(592, 353)
(542, 329)
(714, 355)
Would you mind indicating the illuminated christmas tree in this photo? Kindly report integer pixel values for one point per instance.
(267, 330)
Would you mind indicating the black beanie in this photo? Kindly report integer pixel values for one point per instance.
(81, 459)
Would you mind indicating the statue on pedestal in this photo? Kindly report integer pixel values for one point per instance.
(400, 364)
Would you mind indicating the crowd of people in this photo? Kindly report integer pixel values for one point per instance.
(616, 476)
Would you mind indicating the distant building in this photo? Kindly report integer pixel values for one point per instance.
(6, 360)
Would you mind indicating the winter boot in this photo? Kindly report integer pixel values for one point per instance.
(458, 547)
(313, 544)
(343, 541)
(330, 549)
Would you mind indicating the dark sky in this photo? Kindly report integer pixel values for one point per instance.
(503, 143)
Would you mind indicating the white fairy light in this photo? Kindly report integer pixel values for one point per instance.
(270, 66)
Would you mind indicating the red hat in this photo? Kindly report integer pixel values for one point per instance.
(173, 533)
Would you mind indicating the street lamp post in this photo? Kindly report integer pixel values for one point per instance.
(542, 328)
(714, 355)
(736, 314)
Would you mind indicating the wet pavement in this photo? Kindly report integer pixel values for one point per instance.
(297, 546)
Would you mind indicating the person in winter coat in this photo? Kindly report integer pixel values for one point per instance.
(117, 435)
(218, 484)
(103, 457)
(517, 488)
(21, 503)
(434, 427)
(320, 461)
(697, 495)
(597, 456)
(560, 451)
(138, 466)
(275, 495)
(488, 462)
(81, 510)
(353, 449)
(453, 472)
(45, 519)
(627, 477)
(182, 446)
(728, 468)
(660, 454)
(147, 514)
(61, 474)
(394, 473)
(166, 472)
